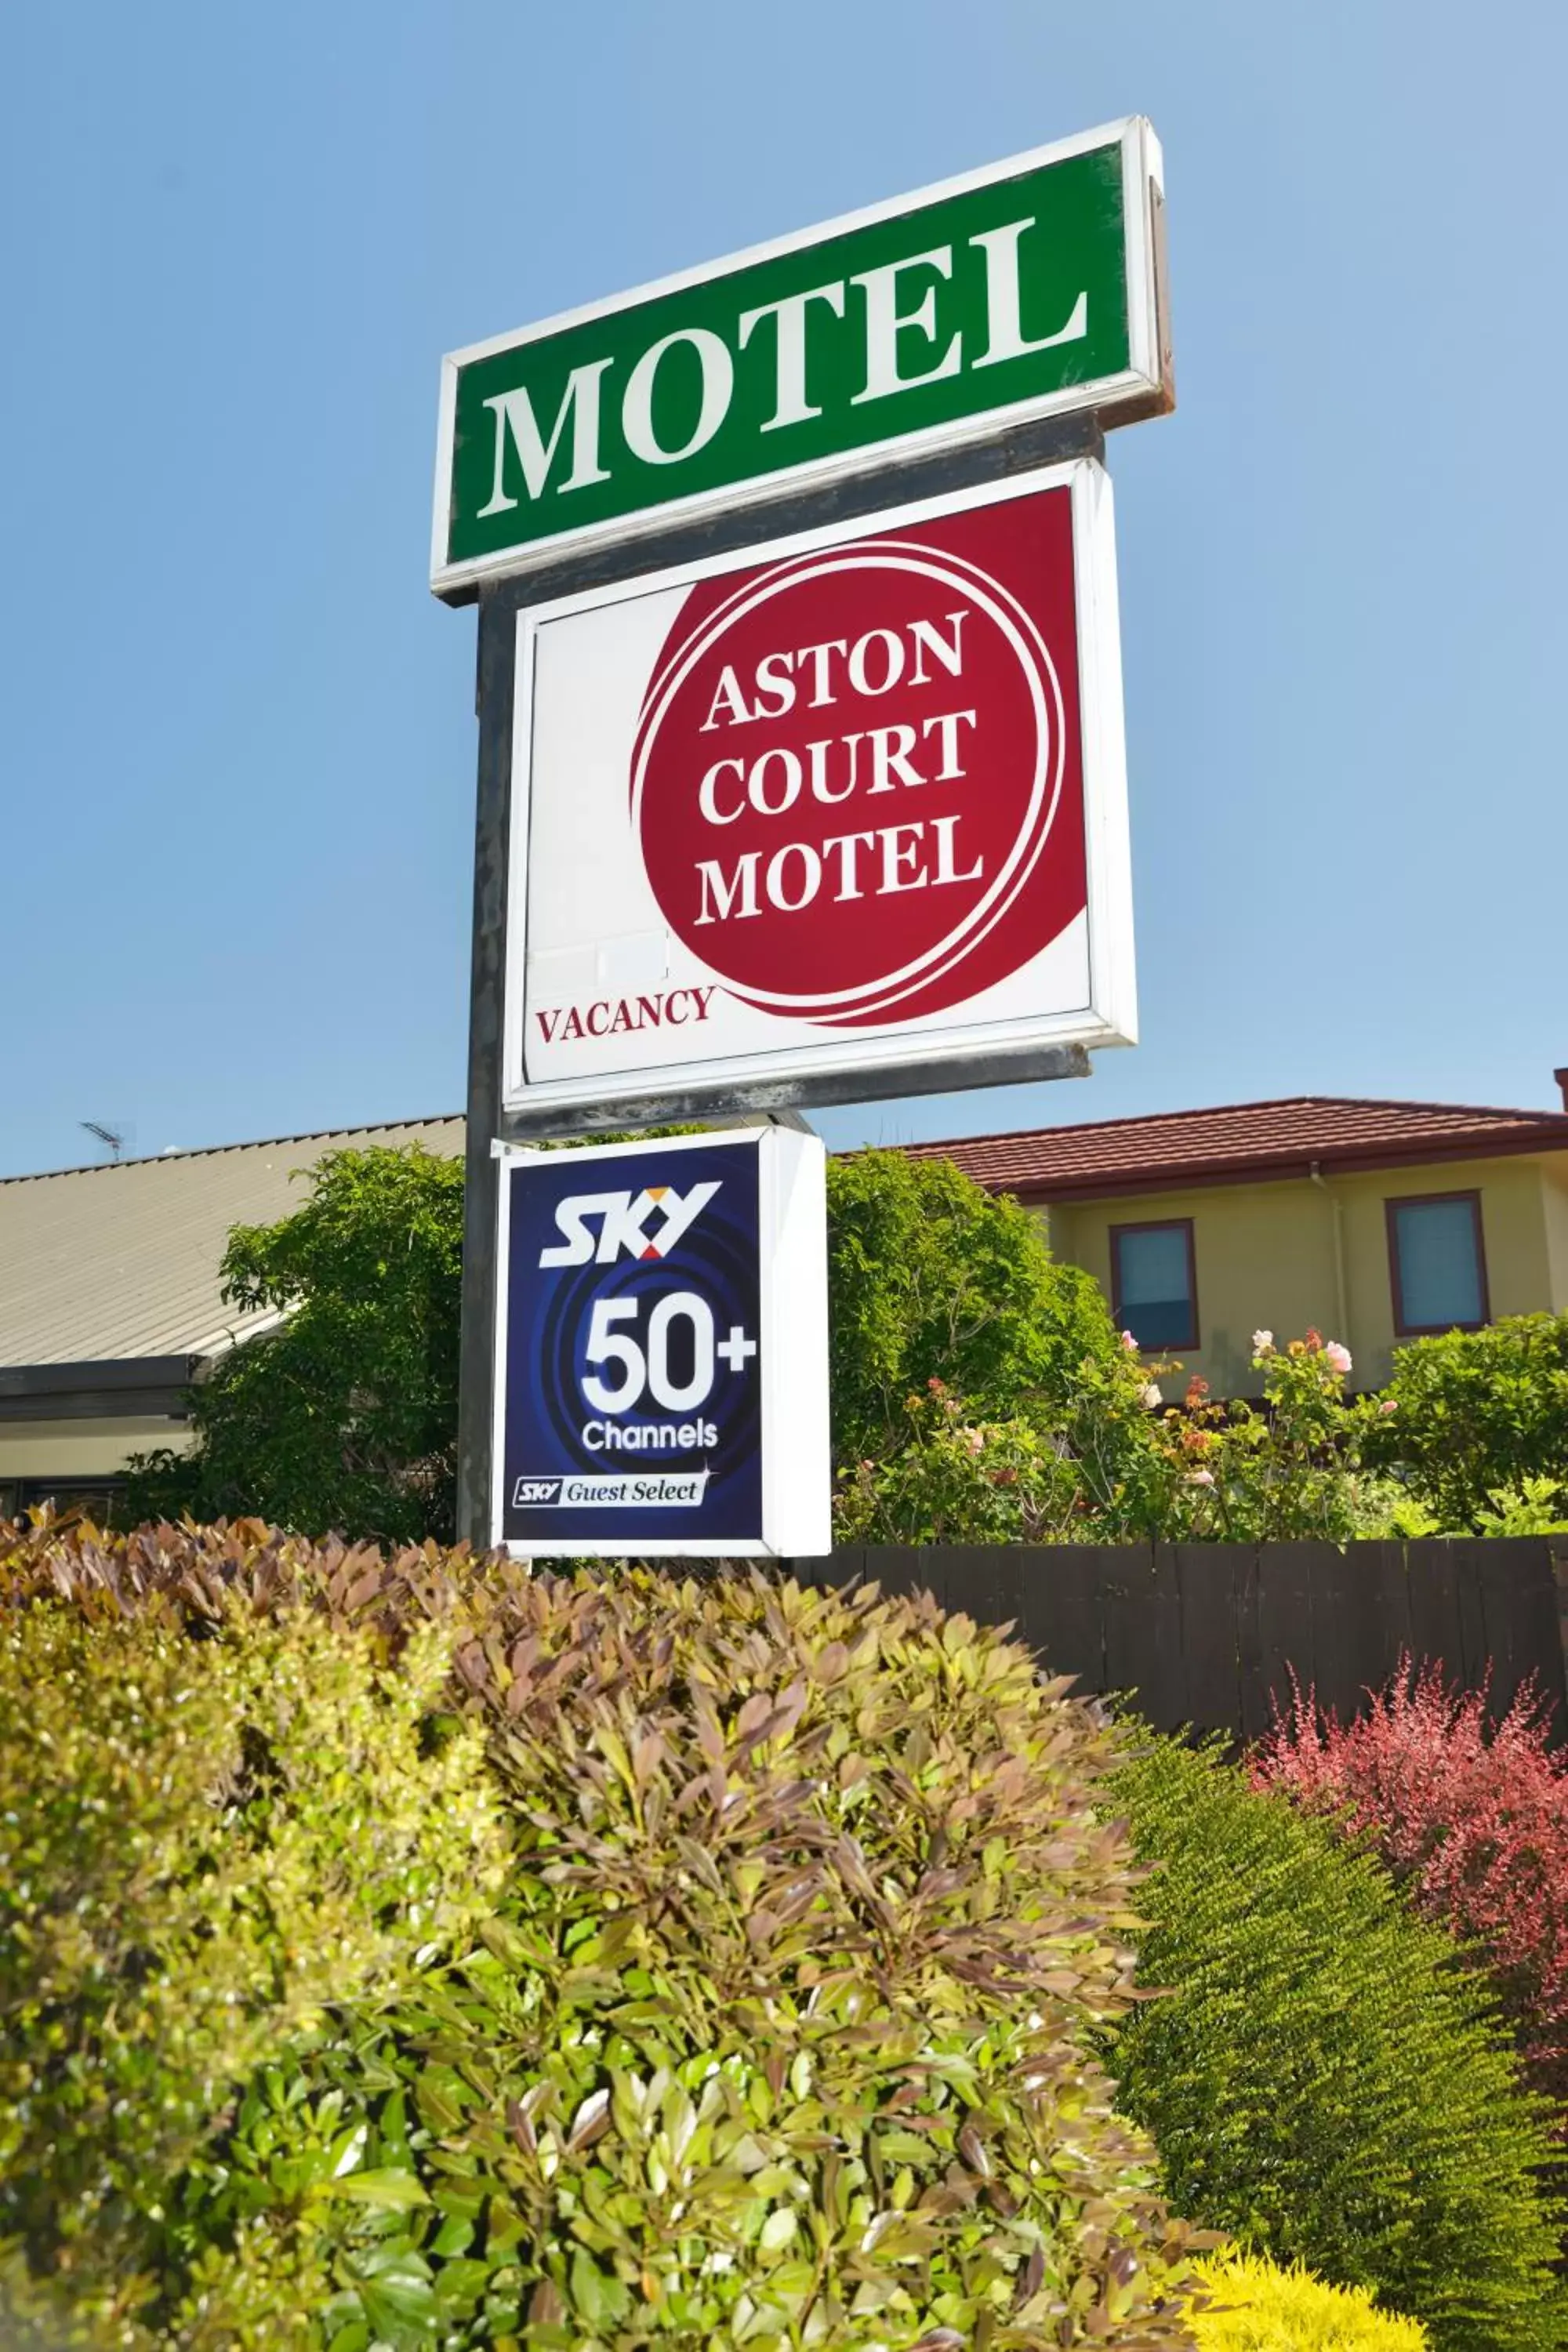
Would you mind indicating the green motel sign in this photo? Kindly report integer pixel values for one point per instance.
(1027, 289)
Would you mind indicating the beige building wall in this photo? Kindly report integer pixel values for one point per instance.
(82, 1449)
(1555, 1207)
(1263, 1256)
(1283, 1256)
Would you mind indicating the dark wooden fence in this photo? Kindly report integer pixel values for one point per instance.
(1207, 1635)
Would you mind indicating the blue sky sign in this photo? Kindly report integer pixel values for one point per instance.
(1030, 289)
(662, 1349)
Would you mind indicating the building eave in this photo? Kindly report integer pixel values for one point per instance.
(116, 1388)
(1208, 1175)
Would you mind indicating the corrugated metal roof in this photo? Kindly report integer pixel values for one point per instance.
(1241, 1139)
(122, 1260)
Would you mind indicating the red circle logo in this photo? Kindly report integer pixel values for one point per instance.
(847, 774)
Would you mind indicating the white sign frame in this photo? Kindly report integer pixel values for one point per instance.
(1111, 1017)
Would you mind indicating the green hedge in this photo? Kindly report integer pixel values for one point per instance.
(1478, 1413)
(1325, 2079)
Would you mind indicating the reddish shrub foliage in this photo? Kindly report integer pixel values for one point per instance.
(1475, 1824)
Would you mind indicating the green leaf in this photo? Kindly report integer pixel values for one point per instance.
(348, 2148)
(601, 2299)
(398, 2298)
(396, 2191)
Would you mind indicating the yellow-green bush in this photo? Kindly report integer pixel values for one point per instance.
(203, 1843)
(1254, 2307)
(35, 2315)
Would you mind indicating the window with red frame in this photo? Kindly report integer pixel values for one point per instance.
(1436, 1262)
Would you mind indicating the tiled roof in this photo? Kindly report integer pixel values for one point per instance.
(1173, 1149)
(122, 1259)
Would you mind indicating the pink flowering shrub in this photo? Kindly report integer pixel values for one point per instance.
(1240, 1474)
(965, 1479)
(1105, 1460)
(1476, 1823)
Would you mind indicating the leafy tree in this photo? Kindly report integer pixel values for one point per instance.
(346, 1414)
(931, 1278)
(1292, 1472)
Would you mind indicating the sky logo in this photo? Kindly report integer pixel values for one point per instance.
(536, 1491)
(622, 1221)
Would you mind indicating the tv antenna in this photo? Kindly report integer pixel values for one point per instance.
(113, 1139)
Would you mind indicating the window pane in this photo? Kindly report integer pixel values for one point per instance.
(1151, 1285)
(1439, 1267)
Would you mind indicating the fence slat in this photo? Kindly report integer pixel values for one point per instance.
(1474, 1649)
(825, 1568)
(1142, 1614)
(1288, 1632)
(1519, 1604)
(1437, 1627)
(1059, 1611)
(986, 1583)
(1346, 1620)
(904, 1568)
(1361, 1615)
(1256, 1683)
(1211, 1654)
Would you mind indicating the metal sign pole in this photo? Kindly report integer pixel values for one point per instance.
(486, 1006)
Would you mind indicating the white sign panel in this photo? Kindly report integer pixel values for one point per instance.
(849, 801)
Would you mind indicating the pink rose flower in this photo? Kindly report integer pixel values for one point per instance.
(1200, 1478)
(1339, 1356)
(1129, 1343)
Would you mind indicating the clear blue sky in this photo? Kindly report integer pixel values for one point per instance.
(237, 739)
